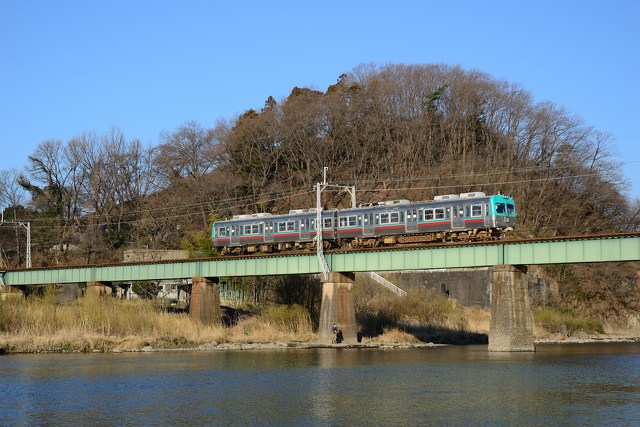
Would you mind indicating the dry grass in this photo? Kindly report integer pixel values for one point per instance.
(478, 319)
(423, 308)
(565, 322)
(274, 324)
(394, 336)
(107, 324)
(424, 315)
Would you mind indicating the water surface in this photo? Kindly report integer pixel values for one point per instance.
(562, 384)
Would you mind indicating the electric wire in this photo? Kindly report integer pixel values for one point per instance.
(236, 203)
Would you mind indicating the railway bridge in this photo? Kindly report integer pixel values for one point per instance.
(511, 318)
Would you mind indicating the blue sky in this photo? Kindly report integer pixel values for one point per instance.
(148, 66)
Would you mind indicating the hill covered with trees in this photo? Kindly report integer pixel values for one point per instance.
(393, 131)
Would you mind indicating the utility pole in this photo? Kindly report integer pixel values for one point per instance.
(320, 187)
(27, 226)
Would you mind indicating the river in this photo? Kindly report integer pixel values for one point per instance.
(559, 384)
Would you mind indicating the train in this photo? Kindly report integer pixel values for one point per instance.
(472, 216)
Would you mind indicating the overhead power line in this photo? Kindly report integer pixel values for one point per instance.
(232, 204)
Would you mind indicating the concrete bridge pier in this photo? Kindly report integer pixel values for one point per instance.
(96, 288)
(10, 292)
(337, 307)
(204, 303)
(511, 327)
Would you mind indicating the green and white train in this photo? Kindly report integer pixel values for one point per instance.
(451, 217)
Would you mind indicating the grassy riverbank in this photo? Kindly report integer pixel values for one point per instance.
(108, 324)
(38, 324)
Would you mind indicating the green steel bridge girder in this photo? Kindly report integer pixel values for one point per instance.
(569, 251)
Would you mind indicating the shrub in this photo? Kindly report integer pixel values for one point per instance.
(290, 318)
(562, 320)
(419, 309)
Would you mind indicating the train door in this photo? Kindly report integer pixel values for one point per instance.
(457, 217)
(305, 223)
(268, 232)
(411, 220)
(367, 224)
(235, 235)
(486, 211)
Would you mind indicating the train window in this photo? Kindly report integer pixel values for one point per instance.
(511, 209)
(384, 218)
(301, 223)
(394, 217)
(246, 229)
(377, 220)
(486, 210)
(255, 229)
(439, 213)
(342, 221)
(476, 210)
(500, 209)
(429, 214)
(366, 219)
(291, 226)
(327, 223)
(282, 226)
(353, 221)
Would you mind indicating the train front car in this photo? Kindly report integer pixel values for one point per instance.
(502, 212)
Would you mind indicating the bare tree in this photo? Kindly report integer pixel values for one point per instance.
(254, 151)
(125, 176)
(11, 193)
(12, 201)
(190, 151)
(54, 179)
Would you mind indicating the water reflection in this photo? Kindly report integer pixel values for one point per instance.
(558, 384)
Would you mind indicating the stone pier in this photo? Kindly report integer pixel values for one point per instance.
(511, 327)
(337, 307)
(204, 304)
(10, 292)
(101, 289)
